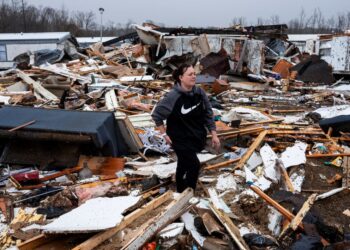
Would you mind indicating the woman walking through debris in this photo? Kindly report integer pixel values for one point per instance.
(188, 113)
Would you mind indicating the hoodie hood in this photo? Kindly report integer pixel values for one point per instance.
(195, 90)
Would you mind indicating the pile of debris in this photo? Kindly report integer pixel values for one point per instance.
(84, 167)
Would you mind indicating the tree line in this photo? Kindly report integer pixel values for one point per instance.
(314, 23)
(17, 17)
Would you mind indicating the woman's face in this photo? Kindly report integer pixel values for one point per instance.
(188, 79)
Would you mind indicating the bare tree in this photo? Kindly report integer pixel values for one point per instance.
(85, 20)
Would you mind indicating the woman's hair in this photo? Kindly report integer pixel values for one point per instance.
(180, 71)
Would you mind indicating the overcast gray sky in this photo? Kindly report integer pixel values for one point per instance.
(197, 12)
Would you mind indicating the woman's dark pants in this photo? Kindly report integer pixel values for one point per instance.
(187, 171)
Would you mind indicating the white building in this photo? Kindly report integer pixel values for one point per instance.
(13, 44)
(87, 41)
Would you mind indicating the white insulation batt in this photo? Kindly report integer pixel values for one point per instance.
(94, 215)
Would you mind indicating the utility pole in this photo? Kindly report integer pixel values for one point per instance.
(101, 12)
(24, 18)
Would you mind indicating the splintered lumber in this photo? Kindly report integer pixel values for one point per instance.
(293, 225)
(261, 122)
(285, 175)
(298, 132)
(61, 173)
(230, 227)
(251, 149)
(36, 242)
(346, 172)
(288, 111)
(240, 131)
(222, 164)
(37, 87)
(288, 215)
(327, 155)
(302, 212)
(172, 211)
(97, 239)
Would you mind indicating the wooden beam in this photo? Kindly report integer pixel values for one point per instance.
(97, 239)
(292, 132)
(346, 172)
(240, 131)
(230, 227)
(285, 175)
(222, 164)
(37, 86)
(61, 173)
(171, 212)
(288, 215)
(293, 225)
(261, 122)
(36, 242)
(251, 149)
(327, 155)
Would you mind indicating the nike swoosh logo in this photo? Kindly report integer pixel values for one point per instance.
(186, 111)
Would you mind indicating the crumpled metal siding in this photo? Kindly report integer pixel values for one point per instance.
(339, 54)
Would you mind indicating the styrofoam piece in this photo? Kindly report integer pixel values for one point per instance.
(269, 159)
(260, 182)
(218, 202)
(136, 78)
(247, 229)
(244, 113)
(292, 118)
(330, 112)
(275, 219)
(207, 179)
(225, 182)
(94, 215)
(188, 219)
(161, 160)
(297, 179)
(254, 161)
(294, 155)
(171, 230)
(343, 87)
(166, 170)
(5, 99)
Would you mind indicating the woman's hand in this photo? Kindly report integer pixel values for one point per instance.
(167, 139)
(215, 141)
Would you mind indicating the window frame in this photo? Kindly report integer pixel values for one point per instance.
(3, 51)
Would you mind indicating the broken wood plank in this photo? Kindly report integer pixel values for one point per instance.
(171, 212)
(261, 122)
(285, 175)
(230, 227)
(251, 149)
(222, 164)
(36, 242)
(61, 173)
(287, 111)
(239, 131)
(327, 155)
(346, 172)
(292, 132)
(293, 225)
(97, 239)
(288, 215)
(37, 86)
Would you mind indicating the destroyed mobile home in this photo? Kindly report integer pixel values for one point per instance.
(83, 167)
